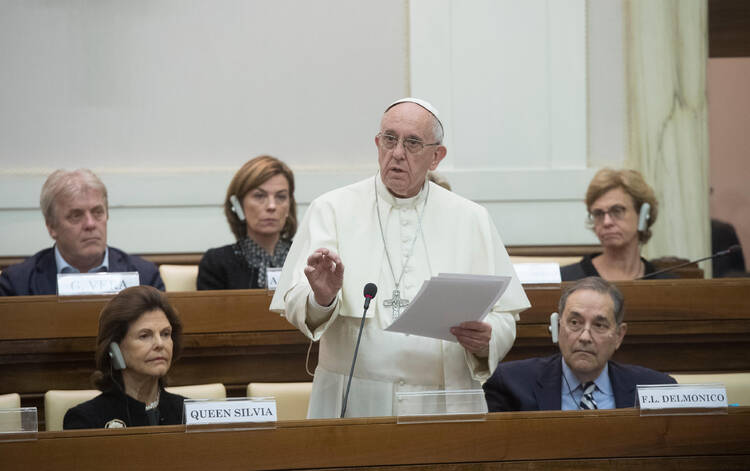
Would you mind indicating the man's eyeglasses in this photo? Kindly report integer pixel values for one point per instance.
(412, 145)
(577, 326)
(616, 212)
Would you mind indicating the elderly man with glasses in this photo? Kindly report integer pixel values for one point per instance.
(581, 376)
(397, 230)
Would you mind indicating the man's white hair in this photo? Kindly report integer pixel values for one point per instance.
(66, 183)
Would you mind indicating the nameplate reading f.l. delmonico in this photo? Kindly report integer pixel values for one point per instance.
(666, 397)
(232, 411)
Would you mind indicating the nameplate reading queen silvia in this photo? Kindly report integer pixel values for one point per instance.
(233, 411)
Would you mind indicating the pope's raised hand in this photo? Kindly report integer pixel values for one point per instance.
(325, 273)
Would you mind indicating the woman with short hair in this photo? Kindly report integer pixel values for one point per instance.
(140, 336)
(622, 208)
(262, 214)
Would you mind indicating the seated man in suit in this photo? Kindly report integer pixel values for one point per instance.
(74, 204)
(581, 376)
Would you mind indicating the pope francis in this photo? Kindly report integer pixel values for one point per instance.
(395, 229)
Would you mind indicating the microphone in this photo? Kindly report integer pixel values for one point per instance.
(732, 249)
(369, 292)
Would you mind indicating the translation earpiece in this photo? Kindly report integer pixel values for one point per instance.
(644, 217)
(554, 325)
(237, 207)
(118, 362)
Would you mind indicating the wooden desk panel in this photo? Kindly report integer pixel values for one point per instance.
(674, 325)
(532, 440)
(51, 317)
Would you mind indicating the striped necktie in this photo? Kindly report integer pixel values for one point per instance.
(587, 400)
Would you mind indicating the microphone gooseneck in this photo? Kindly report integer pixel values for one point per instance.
(369, 293)
(721, 253)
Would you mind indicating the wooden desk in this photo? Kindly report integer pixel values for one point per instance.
(230, 337)
(521, 440)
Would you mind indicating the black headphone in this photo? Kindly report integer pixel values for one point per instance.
(115, 355)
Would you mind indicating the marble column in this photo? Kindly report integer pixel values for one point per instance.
(666, 49)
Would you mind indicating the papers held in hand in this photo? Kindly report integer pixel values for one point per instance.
(447, 300)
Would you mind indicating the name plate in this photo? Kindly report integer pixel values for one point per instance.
(15, 423)
(272, 277)
(230, 412)
(682, 396)
(75, 284)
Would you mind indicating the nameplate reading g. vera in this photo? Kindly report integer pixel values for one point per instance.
(229, 412)
(73, 284)
(682, 396)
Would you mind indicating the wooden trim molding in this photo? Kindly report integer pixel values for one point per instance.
(508, 441)
(194, 258)
(728, 28)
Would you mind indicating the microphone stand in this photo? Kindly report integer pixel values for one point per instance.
(354, 361)
(675, 267)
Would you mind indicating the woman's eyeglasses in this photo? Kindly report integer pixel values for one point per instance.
(616, 212)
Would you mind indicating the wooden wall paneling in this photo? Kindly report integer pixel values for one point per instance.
(728, 28)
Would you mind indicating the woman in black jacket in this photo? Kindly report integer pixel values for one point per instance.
(140, 335)
(262, 214)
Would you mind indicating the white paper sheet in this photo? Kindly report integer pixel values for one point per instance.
(537, 272)
(447, 300)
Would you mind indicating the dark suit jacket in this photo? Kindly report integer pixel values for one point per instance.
(535, 384)
(38, 274)
(724, 236)
(110, 405)
(225, 268)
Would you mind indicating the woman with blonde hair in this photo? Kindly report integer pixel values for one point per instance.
(622, 208)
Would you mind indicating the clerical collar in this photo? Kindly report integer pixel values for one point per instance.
(65, 267)
(395, 201)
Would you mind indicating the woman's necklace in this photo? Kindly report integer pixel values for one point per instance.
(397, 302)
(155, 404)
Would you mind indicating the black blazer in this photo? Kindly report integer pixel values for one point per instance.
(225, 268)
(585, 268)
(114, 405)
(38, 274)
(535, 384)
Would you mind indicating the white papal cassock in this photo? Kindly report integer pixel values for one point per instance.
(457, 236)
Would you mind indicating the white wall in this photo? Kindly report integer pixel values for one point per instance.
(166, 99)
(509, 78)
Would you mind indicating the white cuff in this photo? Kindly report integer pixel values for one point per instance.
(317, 314)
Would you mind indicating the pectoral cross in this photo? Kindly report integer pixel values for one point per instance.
(396, 303)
